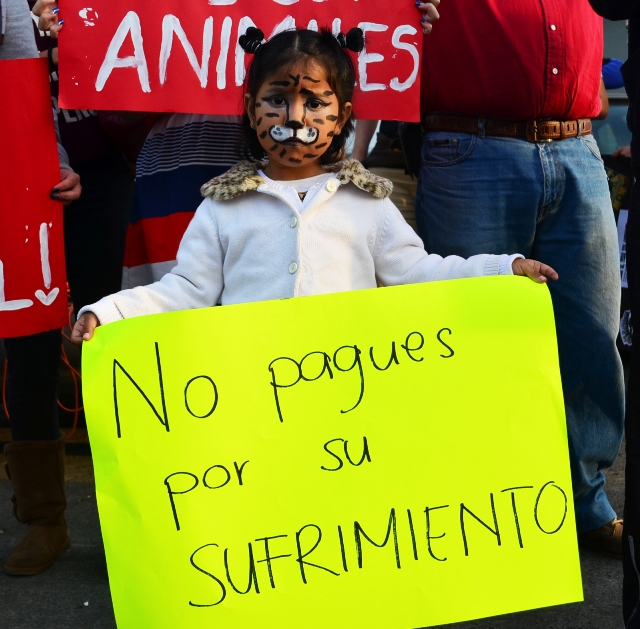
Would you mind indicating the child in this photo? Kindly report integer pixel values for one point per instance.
(300, 222)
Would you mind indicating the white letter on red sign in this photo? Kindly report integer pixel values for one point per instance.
(405, 29)
(170, 25)
(130, 24)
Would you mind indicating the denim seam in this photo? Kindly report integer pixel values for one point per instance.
(457, 160)
(582, 138)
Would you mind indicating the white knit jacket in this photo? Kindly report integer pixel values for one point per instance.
(249, 241)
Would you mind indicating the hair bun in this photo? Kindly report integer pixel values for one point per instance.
(353, 40)
(251, 40)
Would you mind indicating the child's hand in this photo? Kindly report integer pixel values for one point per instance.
(533, 269)
(84, 327)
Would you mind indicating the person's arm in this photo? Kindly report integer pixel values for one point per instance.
(400, 258)
(364, 132)
(616, 9)
(195, 282)
(604, 102)
(62, 154)
(69, 188)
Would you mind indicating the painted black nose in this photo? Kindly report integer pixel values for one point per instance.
(294, 124)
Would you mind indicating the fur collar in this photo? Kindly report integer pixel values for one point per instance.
(244, 177)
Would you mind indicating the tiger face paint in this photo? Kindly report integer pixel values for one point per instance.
(295, 114)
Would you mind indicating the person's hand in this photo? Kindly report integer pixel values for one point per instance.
(624, 151)
(49, 18)
(84, 327)
(68, 189)
(429, 14)
(43, 5)
(537, 271)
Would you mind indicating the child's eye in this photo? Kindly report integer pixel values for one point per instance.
(315, 104)
(277, 101)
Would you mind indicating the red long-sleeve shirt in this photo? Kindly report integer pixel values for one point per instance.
(514, 59)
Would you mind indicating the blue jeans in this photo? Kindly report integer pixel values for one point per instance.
(550, 202)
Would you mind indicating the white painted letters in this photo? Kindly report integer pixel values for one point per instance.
(130, 24)
(170, 25)
(243, 25)
(405, 29)
(46, 298)
(44, 255)
(14, 304)
(364, 58)
(225, 39)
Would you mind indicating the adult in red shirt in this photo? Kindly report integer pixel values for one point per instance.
(509, 164)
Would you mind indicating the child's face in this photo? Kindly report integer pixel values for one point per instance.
(296, 114)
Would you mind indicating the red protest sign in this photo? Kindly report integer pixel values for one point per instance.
(33, 296)
(184, 57)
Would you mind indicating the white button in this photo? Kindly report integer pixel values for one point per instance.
(293, 267)
(294, 221)
(555, 70)
(332, 185)
(553, 27)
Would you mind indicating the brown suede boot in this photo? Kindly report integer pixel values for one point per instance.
(36, 471)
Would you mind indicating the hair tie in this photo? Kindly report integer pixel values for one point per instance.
(251, 40)
(353, 40)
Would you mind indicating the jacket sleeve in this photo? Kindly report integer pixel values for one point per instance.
(400, 258)
(195, 282)
(62, 154)
(616, 9)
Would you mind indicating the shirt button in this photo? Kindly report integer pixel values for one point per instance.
(293, 267)
(294, 221)
(555, 70)
(553, 27)
(332, 185)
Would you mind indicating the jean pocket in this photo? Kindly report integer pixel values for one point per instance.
(590, 142)
(447, 149)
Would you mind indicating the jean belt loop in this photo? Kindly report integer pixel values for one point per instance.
(579, 123)
(481, 122)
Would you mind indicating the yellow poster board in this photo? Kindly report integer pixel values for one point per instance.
(388, 458)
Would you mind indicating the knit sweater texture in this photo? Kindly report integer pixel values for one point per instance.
(251, 240)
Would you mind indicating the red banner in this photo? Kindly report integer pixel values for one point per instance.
(183, 56)
(33, 295)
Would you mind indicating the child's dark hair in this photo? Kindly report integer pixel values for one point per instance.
(288, 48)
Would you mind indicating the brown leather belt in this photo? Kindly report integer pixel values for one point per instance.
(532, 130)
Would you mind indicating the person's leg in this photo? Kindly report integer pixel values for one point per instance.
(631, 552)
(578, 237)
(32, 386)
(478, 195)
(550, 202)
(35, 457)
(95, 230)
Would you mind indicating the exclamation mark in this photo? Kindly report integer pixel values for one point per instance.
(44, 255)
